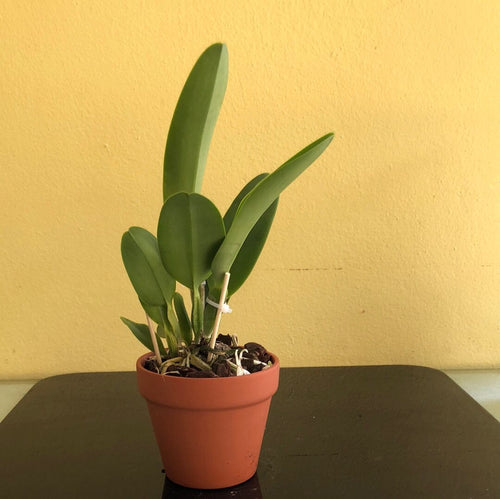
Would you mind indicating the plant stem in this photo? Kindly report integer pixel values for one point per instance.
(153, 340)
(202, 300)
(218, 317)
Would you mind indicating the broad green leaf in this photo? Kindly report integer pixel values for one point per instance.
(190, 231)
(144, 267)
(166, 319)
(252, 246)
(250, 250)
(183, 318)
(209, 319)
(256, 202)
(209, 312)
(194, 121)
(172, 344)
(165, 331)
(172, 323)
(157, 312)
(141, 332)
(231, 211)
(248, 254)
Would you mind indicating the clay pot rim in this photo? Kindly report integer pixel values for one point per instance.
(180, 379)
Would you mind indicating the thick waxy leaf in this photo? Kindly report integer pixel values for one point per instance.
(190, 231)
(183, 318)
(231, 211)
(165, 317)
(197, 313)
(172, 324)
(141, 332)
(256, 202)
(157, 312)
(144, 267)
(250, 250)
(194, 121)
(168, 334)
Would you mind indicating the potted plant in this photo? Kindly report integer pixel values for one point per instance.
(208, 397)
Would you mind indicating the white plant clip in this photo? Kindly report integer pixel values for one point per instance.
(225, 308)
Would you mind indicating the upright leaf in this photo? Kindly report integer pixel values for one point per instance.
(166, 332)
(250, 250)
(166, 319)
(233, 208)
(197, 313)
(172, 324)
(252, 246)
(190, 231)
(157, 312)
(194, 121)
(144, 267)
(183, 318)
(257, 201)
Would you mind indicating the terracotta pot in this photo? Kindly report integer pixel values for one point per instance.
(209, 430)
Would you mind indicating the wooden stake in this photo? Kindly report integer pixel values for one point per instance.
(153, 339)
(218, 316)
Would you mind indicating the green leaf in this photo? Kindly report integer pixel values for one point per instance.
(172, 323)
(172, 345)
(144, 267)
(190, 231)
(209, 311)
(251, 249)
(197, 313)
(157, 312)
(256, 202)
(166, 331)
(165, 317)
(252, 246)
(183, 318)
(231, 211)
(194, 121)
(141, 332)
(209, 319)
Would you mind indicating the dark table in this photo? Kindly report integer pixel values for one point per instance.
(333, 432)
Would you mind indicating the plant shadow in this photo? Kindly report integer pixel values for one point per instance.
(246, 490)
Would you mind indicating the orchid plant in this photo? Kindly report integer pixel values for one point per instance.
(195, 245)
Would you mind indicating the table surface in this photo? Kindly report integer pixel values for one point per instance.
(369, 432)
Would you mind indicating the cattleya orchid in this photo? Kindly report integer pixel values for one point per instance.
(195, 245)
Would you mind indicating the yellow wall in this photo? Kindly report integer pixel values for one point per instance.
(386, 251)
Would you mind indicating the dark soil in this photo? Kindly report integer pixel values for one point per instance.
(253, 360)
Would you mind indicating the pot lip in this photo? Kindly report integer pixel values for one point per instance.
(179, 379)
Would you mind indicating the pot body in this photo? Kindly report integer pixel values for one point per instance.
(209, 430)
